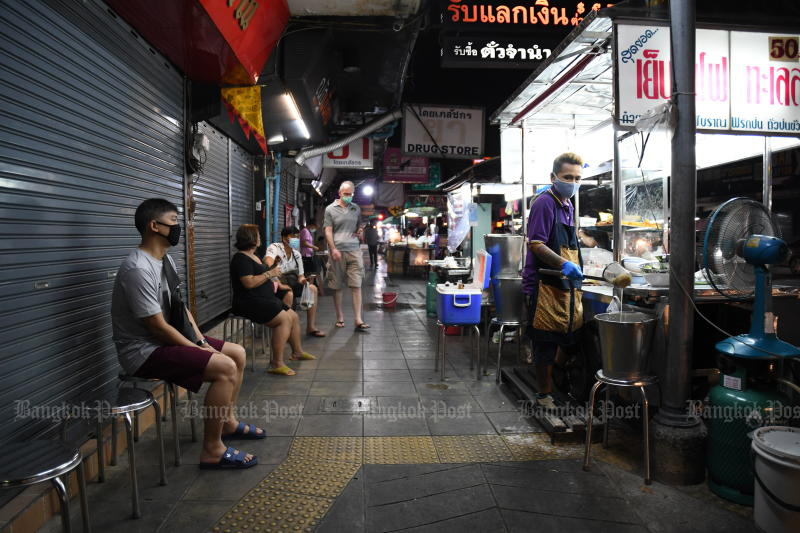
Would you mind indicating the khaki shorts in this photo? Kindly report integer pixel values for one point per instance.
(349, 268)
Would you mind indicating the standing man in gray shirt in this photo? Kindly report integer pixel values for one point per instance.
(343, 233)
(148, 346)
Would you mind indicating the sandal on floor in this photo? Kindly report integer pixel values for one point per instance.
(305, 356)
(231, 460)
(362, 327)
(340, 323)
(316, 333)
(283, 370)
(251, 433)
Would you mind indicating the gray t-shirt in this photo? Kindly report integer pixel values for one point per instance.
(140, 290)
(344, 221)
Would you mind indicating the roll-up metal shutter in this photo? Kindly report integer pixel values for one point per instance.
(91, 124)
(241, 186)
(212, 229)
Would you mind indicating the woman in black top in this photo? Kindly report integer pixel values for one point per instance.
(254, 298)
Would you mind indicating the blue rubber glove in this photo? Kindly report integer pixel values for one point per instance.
(571, 270)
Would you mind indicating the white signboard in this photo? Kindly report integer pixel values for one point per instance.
(740, 83)
(357, 154)
(442, 131)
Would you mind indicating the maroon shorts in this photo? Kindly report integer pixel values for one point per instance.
(181, 365)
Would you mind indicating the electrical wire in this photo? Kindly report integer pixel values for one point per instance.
(712, 324)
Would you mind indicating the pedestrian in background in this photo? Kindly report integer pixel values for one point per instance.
(371, 237)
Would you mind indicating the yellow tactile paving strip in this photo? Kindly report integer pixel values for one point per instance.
(399, 450)
(296, 495)
(471, 448)
(346, 449)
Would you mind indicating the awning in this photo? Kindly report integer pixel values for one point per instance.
(484, 172)
(572, 88)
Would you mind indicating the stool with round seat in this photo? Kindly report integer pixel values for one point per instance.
(36, 461)
(441, 347)
(172, 405)
(122, 402)
(640, 383)
(503, 324)
(239, 326)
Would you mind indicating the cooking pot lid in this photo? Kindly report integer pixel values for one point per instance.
(779, 441)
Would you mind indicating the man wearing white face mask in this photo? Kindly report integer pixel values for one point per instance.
(554, 304)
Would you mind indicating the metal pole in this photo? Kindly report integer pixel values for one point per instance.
(524, 196)
(617, 201)
(676, 388)
(767, 175)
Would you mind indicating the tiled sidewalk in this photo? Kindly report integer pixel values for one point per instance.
(393, 367)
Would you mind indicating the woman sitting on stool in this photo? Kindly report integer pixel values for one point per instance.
(292, 276)
(254, 298)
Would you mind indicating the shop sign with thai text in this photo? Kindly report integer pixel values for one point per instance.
(357, 154)
(516, 14)
(442, 131)
(745, 81)
(478, 51)
(400, 168)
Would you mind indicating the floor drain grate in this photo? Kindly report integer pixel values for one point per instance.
(346, 405)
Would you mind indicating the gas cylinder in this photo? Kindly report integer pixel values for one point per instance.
(430, 294)
(745, 399)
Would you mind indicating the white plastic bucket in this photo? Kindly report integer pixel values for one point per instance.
(776, 502)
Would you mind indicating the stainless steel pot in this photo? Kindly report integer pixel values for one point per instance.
(509, 300)
(625, 343)
(507, 253)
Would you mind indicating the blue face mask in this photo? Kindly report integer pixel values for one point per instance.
(566, 189)
(294, 243)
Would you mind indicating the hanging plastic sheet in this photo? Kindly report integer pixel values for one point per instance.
(458, 203)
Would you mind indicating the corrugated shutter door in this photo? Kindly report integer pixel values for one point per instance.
(287, 184)
(241, 190)
(212, 227)
(87, 132)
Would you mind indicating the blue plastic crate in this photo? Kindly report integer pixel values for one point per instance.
(458, 306)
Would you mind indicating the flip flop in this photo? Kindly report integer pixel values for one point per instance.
(283, 370)
(340, 323)
(305, 356)
(231, 460)
(251, 433)
(315, 333)
(363, 327)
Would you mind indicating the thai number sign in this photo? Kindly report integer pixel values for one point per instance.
(541, 13)
(495, 52)
(442, 131)
(357, 154)
(744, 81)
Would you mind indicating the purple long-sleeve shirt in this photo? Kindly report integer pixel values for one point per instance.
(540, 227)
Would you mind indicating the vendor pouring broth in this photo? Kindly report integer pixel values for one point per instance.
(554, 303)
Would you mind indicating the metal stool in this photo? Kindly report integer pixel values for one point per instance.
(35, 461)
(441, 346)
(640, 384)
(238, 325)
(123, 402)
(503, 324)
(172, 405)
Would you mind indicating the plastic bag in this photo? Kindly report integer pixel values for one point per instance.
(306, 298)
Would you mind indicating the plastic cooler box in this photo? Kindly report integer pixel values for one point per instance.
(458, 306)
(463, 306)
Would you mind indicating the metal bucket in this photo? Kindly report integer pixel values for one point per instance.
(625, 343)
(509, 300)
(506, 251)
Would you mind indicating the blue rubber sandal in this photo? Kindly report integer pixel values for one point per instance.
(251, 434)
(231, 461)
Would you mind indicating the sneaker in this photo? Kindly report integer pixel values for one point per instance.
(546, 402)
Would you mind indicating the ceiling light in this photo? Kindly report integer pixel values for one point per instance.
(276, 139)
(294, 112)
(367, 190)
